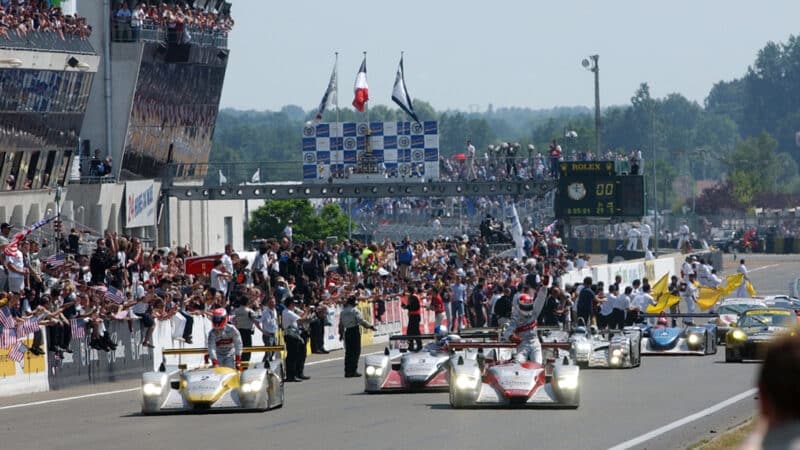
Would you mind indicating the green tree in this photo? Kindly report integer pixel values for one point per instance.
(270, 219)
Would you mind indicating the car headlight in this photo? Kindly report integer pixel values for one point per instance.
(253, 386)
(617, 352)
(464, 381)
(693, 339)
(739, 335)
(373, 371)
(568, 382)
(614, 360)
(151, 389)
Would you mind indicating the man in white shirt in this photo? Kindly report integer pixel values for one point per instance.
(633, 236)
(471, 161)
(220, 277)
(743, 269)
(15, 268)
(689, 296)
(226, 258)
(646, 233)
(268, 324)
(683, 233)
(287, 230)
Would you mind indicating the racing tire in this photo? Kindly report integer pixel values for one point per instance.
(457, 399)
(711, 343)
(730, 356)
(576, 403)
(636, 357)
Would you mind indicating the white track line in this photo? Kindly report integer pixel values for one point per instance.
(678, 423)
(65, 399)
(314, 363)
(122, 391)
(762, 268)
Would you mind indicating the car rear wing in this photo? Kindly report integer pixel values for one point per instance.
(466, 345)
(203, 351)
(681, 315)
(493, 334)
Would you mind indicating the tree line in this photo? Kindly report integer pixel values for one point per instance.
(743, 135)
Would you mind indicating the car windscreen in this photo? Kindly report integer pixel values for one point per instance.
(733, 309)
(767, 320)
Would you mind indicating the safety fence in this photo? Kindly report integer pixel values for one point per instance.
(597, 246)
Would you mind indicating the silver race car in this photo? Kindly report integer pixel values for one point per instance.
(206, 389)
(400, 370)
(688, 339)
(615, 349)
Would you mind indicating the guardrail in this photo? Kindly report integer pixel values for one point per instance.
(47, 41)
(124, 32)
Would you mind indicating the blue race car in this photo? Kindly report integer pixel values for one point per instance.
(686, 339)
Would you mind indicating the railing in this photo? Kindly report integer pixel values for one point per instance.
(46, 41)
(122, 31)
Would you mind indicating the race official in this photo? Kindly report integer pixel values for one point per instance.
(350, 321)
(292, 319)
(689, 294)
(647, 232)
(620, 304)
(224, 341)
(268, 325)
(585, 304)
(412, 306)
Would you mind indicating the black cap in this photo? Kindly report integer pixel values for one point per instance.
(5, 225)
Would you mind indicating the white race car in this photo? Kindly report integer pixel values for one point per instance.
(205, 388)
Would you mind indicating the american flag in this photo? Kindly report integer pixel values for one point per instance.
(550, 228)
(12, 246)
(29, 326)
(115, 295)
(56, 260)
(78, 330)
(6, 319)
(17, 352)
(8, 337)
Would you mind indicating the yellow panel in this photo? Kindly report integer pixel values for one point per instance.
(8, 367)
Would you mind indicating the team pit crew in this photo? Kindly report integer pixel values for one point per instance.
(224, 342)
(521, 328)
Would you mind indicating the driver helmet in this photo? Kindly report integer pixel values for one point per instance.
(525, 304)
(662, 321)
(219, 318)
(441, 332)
(593, 329)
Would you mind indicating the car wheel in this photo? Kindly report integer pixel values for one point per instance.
(730, 355)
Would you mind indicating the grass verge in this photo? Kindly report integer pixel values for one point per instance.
(732, 438)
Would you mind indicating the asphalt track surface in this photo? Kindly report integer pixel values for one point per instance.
(331, 412)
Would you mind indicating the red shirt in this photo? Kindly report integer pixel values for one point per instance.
(438, 304)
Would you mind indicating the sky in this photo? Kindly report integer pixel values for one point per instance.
(468, 54)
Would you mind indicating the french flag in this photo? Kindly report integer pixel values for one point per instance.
(360, 88)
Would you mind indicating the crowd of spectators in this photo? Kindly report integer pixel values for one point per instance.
(177, 16)
(19, 18)
(74, 294)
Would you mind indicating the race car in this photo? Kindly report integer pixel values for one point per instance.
(206, 389)
(754, 330)
(729, 310)
(494, 379)
(615, 349)
(688, 339)
(400, 370)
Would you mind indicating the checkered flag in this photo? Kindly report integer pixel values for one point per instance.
(17, 353)
(6, 319)
(78, 329)
(29, 326)
(8, 337)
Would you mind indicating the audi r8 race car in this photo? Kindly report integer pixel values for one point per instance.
(679, 340)
(755, 329)
(400, 370)
(729, 310)
(206, 389)
(615, 349)
(494, 379)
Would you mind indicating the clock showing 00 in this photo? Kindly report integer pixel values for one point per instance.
(589, 195)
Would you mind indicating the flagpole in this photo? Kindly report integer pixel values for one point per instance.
(366, 104)
(336, 69)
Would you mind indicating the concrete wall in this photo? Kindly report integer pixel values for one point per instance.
(201, 224)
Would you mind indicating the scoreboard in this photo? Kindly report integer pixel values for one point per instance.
(592, 190)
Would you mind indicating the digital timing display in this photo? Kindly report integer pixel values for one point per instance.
(591, 195)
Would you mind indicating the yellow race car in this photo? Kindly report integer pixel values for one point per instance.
(755, 329)
(204, 388)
